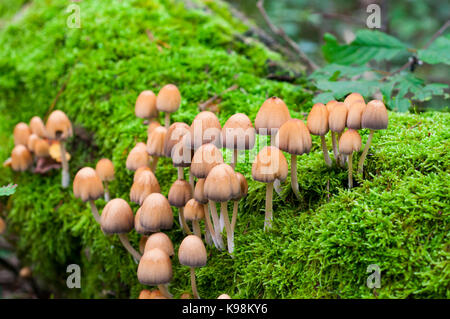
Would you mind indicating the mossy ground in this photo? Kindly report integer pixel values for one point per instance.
(320, 247)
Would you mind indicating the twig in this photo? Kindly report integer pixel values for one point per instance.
(211, 100)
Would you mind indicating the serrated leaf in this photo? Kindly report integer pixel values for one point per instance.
(339, 89)
(8, 190)
(337, 70)
(323, 98)
(426, 92)
(438, 52)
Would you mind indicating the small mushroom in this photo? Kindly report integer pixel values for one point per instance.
(330, 105)
(145, 183)
(193, 212)
(352, 98)
(350, 142)
(199, 195)
(205, 128)
(138, 157)
(354, 115)
(179, 194)
(224, 296)
(37, 127)
(155, 268)
(145, 106)
(21, 159)
(21, 134)
(192, 253)
(139, 171)
(174, 147)
(161, 241)
(205, 158)
(32, 142)
(155, 145)
(271, 115)
(238, 133)
(156, 213)
(105, 170)
(137, 224)
(337, 119)
(88, 186)
(317, 124)
(168, 101)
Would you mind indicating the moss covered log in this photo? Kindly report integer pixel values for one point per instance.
(320, 247)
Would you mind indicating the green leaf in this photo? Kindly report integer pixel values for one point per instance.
(323, 97)
(7, 190)
(340, 89)
(426, 92)
(438, 52)
(334, 71)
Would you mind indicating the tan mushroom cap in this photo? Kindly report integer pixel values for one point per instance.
(337, 118)
(138, 157)
(161, 241)
(243, 183)
(155, 267)
(174, 136)
(152, 126)
(317, 121)
(238, 133)
(21, 158)
(105, 169)
(269, 165)
(42, 148)
(354, 115)
(271, 115)
(293, 137)
(87, 185)
(32, 142)
(221, 184)
(181, 155)
(58, 126)
(330, 105)
(375, 116)
(37, 127)
(139, 171)
(156, 213)
(349, 142)
(137, 224)
(352, 98)
(145, 183)
(205, 158)
(224, 296)
(180, 193)
(145, 106)
(168, 99)
(194, 210)
(21, 134)
(117, 217)
(199, 191)
(192, 252)
(155, 141)
(205, 128)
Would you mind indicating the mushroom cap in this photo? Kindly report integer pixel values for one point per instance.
(181, 155)
(87, 185)
(42, 148)
(224, 296)
(145, 106)
(151, 126)
(317, 121)
(58, 126)
(205, 128)
(192, 252)
(155, 141)
(330, 105)
(337, 118)
(37, 127)
(205, 158)
(139, 171)
(221, 184)
(354, 115)
(32, 142)
(105, 169)
(194, 210)
(174, 136)
(21, 134)
(155, 267)
(349, 142)
(243, 183)
(168, 99)
(238, 133)
(137, 224)
(375, 116)
(156, 213)
(293, 137)
(161, 241)
(145, 294)
(180, 193)
(269, 165)
(138, 157)
(199, 191)
(145, 184)
(353, 97)
(21, 158)
(271, 115)
(117, 217)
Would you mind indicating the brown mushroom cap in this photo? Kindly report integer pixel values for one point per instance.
(192, 252)
(32, 142)
(21, 134)
(317, 121)
(174, 136)
(42, 148)
(152, 126)
(238, 133)
(105, 169)
(224, 296)
(293, 137)
(354, 115)
(161, 241)
(205, 128)
(155, 141)
(137, 224)
(271, 115)
(87, 185)
(138, 157)
(145, 183)
(269, 165)
(117, 217)
(221, 184)
(330, 105)
(155, 267)
(199, 191)
(37, 127)
(205, 158)
(349, 142)
(337, 118)
(181, 155)
(168, 99)
(145, 106)
(21, 158)
(243, 183)
(156, 213)
(180, 193)
(139, 171)
(58, 126)
(375, 116)
(194, 210)
(353, 97)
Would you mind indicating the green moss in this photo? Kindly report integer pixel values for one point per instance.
(397, 217)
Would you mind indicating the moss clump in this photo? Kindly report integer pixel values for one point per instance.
(397, 217)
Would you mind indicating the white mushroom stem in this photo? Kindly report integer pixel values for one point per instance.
(341, 156)
(335, 146)
(193, 284)
(221, 222)
(180, 173)
(326, 156)
(208, 237)
(65, 165)
(215, 218)
(196, 228)
(106, 192)
(294, 181)
(350, 170)
(226, 219)
(268, 217)
(235, 158)
(364, 153)
(183, 221)
(126, 243)
(191, 180)
(234, 217)
(167, 120)
(165, 290)
(209, 230)
(94, 211)
(154, 163)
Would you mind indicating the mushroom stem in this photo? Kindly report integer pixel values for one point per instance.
(221, 222)
(341, 157)
(106, 192)
(350, 170)
(94, 211)
(65, 166)
(196, 228)
(193, 284)
(208, 237)
(167, 120)
(154, 163)
(234, 216)
(294, 182)
(126, 243)
(268, 217)
(165, 291)
(191, 180)
(235, 157)
(326, 156)
(180, 173)
(335, 147)
(183, 222)
(216, 222)
(209, 228)
(364, 153)
(226, 220)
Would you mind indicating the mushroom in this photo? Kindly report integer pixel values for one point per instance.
(269, 165)
(238, 133)
(105, 170)
(193, 212)
(37, 127)
(156, 213)
(59, 128)
(174, 147)
(21, 134)
(244, 191)
(155, 145)
(138, 157)
(330, 105)
(293, 137)
(224, 296)
(354, 115)
(374, 117)
(32, 142)
(151, 126)
(145, 106)
(139, 171)
(205, 158)
(21, 158)
(137, 224)
(142, 241)
(350, 142)
(337, 119)
(155, 268)
(179, 194)
(161, 241)
(145, 183)
(199, 196)
(205, 128)
(44, 161)
(117, 218)
(317, 124)
(88, 186)
(192, 253)
(168, 101)
(352, 98)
